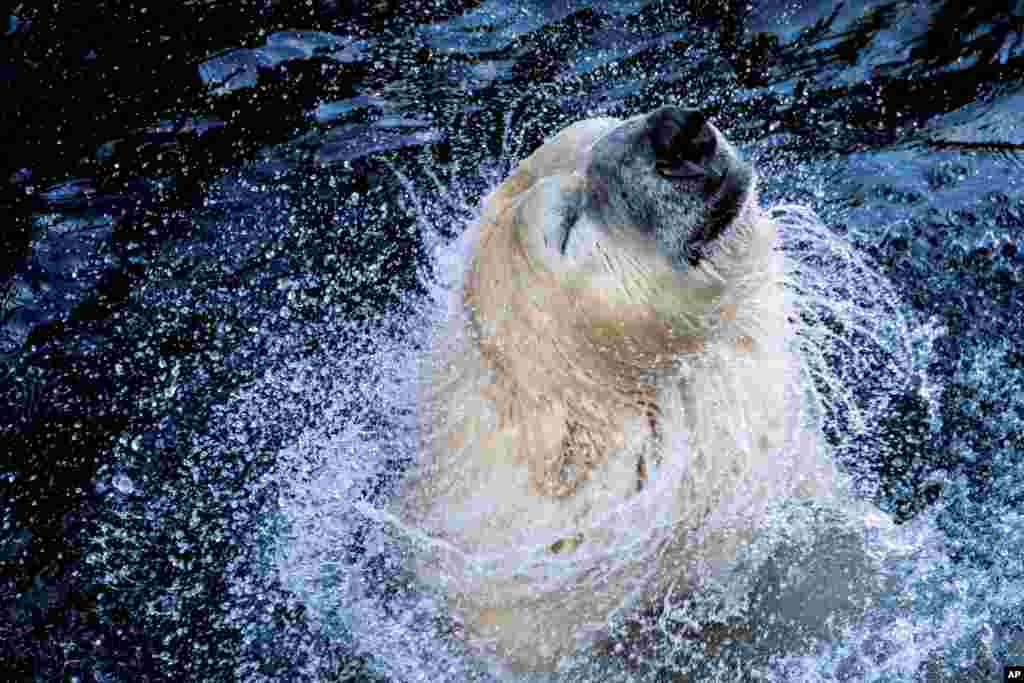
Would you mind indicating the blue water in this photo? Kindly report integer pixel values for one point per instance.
(216, 298)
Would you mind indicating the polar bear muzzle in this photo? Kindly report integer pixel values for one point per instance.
(672, 175)
(684, 145)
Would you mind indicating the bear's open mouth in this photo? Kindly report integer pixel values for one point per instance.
(723, 207)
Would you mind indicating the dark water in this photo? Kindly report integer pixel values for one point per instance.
(209, 259)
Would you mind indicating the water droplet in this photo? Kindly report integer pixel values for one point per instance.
(124, 484)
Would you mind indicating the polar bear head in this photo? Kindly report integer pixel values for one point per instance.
(615, 247)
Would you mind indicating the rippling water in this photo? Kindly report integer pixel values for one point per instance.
(219, 225)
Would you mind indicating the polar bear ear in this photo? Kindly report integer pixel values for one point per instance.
(549, 221)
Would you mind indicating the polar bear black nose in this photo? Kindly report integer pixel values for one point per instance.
(683, 142)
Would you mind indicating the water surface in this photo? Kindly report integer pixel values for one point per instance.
(218, 223)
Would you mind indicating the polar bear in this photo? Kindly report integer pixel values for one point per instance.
(609, 405)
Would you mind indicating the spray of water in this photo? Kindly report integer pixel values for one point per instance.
(823, 592)
(779, 595)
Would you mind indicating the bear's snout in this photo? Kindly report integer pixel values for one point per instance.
(683, 142)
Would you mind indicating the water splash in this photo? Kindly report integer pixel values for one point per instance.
(818, 595)
(851, 326)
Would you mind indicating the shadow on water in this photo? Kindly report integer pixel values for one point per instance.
(199, 196)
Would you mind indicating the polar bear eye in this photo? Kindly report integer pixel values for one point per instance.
(559, 226)
(559, 205)
(550, 221)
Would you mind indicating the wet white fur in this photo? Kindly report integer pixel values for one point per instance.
(532, 567)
